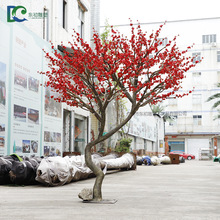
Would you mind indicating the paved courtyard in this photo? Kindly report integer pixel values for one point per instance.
(186, 191)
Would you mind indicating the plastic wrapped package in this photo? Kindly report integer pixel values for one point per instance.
(57, 171)
(165, 160)
(155, 160)
(54, 171)
(125, 161)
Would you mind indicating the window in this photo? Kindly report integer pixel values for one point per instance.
(197, 119)
(45, 24)
(64, 14)
(196, 78)
(196, 75)
(208, 38)
(163, 40)
(81, 21)
(218, 121)
(197, 57)
(172, 101)
(173, 120)
(196, 99)
(218, 77)
(218, 56)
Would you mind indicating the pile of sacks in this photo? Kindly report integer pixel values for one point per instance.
(57, 171)
(154, 160)
(18, 170)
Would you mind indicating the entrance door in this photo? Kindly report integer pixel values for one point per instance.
(194, 146)
(80, 133)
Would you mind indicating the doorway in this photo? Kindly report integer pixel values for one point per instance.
(68, 122)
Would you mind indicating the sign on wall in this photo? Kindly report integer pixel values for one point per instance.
(30, 121)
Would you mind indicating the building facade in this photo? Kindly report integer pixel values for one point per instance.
(193, 125)
(32, 122)
(144, 129)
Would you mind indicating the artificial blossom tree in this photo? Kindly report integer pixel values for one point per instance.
(138, 69)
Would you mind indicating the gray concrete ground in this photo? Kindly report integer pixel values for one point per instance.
(186, 191)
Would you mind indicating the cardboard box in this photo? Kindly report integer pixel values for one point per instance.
(174, 158)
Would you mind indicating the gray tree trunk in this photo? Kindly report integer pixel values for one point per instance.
(97, 188)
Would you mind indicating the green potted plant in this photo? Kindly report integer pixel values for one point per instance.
(124, 145)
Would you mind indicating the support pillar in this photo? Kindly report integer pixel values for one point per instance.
(166, 145)
(215, 146)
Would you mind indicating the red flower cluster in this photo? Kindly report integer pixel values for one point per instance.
(138, 69)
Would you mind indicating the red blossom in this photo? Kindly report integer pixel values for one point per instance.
(136, 68)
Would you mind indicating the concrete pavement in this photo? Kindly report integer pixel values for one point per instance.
(186, 191)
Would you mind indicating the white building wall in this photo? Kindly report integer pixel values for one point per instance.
(159, 144)
(139, 143)
(205, 86)
(95, 19)
(150, 146)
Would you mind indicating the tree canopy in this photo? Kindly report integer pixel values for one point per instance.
(138, 68)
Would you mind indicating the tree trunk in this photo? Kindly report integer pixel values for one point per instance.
(97, 188)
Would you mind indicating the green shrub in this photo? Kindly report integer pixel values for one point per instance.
(124, 145)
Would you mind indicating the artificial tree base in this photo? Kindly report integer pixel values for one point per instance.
(104, 201)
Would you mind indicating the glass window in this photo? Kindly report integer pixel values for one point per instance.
(197, 119)
(172, 101)
(163, 40)
(205, 39)
(197, 57)
(173, 120)
(196, 99)
(196, 78)
(80, 133)
(218, 56)
(218, 77)
(64, 14)
(211, 38)
(81, 21)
